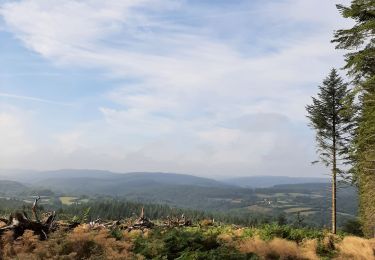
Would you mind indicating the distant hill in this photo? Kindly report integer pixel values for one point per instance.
(269, 181)
(30, 176)
(264, 194)
(107, 176)
(104, 178)
(153, 185)
(11, 187)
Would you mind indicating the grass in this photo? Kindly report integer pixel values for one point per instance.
(257, 208)
(68, 200)
(261, 195)
(295, 210)
(307, 213)
(198, 242)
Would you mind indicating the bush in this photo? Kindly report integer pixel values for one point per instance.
(213, 242)
(206, 222)
(270, 231)
(221, 253)
(187, 243)
(326, 248)
(353, 226)
(116, 233)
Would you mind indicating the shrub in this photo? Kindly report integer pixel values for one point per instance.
(270, 231)
(221, 253)
(188, 243)
(326, 247)
(206, 222)
(116, 233)
(353, 226)
(82, 244)
(215, 242)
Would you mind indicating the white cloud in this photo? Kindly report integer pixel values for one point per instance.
(69, 142)
(14, 138)
(191, 84)
(35, 99)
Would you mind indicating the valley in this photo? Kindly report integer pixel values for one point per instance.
(308, 202)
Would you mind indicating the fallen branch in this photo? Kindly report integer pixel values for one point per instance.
(177, 222)
(6, 221)
(142, 222)
(19, 222)
(35, 208)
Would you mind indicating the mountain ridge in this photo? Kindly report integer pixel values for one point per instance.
(264, 181)
(32, 176)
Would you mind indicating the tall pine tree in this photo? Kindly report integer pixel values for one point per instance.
(360, 63)
(329, 117)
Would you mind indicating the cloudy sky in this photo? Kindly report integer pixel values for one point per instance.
(205, 87)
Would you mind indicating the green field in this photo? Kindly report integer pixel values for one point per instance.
(68, 200)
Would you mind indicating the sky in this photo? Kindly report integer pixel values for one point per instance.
(202, 87)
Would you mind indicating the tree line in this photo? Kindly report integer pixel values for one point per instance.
(343, 113)
(112, 209)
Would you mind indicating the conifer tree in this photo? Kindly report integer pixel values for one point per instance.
(328, 116)
(360, 63)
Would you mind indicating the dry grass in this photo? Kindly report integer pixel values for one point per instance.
(68, 200)
(278, 249)
(22, 248)
(81, 243)
(356, 248)
(85, 243)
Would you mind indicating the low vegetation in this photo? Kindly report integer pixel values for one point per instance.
(202, 241)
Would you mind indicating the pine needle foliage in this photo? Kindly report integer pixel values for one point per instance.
(329, 117)
(359, 41)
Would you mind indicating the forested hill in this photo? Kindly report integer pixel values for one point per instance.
(311, 200)
(33, 177)
(11, 187)
(269, 181)
(49, 177)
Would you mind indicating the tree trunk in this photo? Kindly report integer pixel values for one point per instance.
(334, 171)
(334, 196)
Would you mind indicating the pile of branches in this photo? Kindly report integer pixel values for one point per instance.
(141, 223)
(177, 221)
(98, 224)
(19, 222)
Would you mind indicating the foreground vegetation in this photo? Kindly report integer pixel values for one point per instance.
(203, 241)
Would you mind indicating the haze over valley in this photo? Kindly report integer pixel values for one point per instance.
(187, 129)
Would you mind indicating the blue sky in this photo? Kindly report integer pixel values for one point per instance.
(210, 88)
